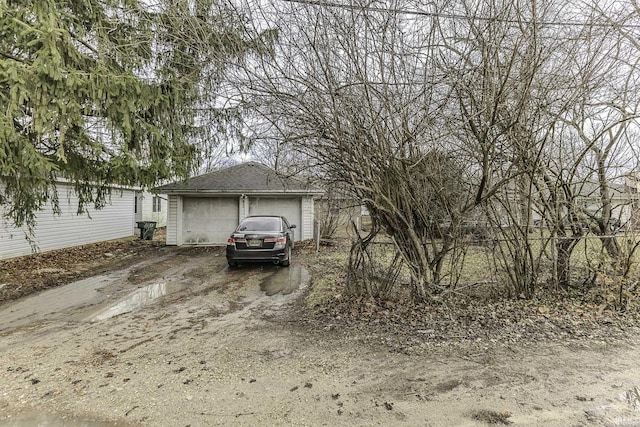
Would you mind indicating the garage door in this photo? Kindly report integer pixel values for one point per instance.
(208, 220)
(288, 208)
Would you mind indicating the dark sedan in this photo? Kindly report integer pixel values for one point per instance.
(261, 238)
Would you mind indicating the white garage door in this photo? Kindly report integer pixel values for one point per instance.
(208, 220)
(288, 208)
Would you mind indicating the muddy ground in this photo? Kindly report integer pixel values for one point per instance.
(173, 337)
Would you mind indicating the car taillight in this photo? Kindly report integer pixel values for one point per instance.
(281, 242)
(277, 240)
(232, 240)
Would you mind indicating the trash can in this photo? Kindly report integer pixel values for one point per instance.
(146, 229)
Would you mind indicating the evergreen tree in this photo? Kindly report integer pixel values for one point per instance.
(103, 92)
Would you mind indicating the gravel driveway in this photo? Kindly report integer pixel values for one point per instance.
(181, 340)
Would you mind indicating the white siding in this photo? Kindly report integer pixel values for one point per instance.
(160, 218)
(116, 220)
(306, 227)
(621, 208)
(243, 208)
(138, 206)
(174, 218)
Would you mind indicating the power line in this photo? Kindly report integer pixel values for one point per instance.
(329, 4)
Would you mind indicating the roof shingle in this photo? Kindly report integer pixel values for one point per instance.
(242, 178)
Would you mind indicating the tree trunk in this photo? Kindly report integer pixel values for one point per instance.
(611, 245)
(563, 264)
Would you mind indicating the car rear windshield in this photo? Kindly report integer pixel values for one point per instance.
(260, 224)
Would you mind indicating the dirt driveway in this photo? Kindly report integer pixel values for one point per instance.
(181, 340)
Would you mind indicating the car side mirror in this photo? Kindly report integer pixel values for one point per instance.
(292, 226)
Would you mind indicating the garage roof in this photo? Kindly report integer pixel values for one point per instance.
(245, 178)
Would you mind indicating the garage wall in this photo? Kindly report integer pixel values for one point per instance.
(116, 220)
(208, 220)
(289, 208)
(306, 229)
(174, 220)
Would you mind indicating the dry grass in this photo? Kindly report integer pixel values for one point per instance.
(328, 268)
(476, 272)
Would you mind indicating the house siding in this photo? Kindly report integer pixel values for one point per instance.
(174, 206)
(116, 220)
(243, 207)
(146, 206)
(307, 218)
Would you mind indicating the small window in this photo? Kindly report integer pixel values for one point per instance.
(157, 204)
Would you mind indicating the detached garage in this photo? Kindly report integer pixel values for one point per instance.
(207, 209)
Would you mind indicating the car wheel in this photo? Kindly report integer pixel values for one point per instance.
(285, 262)
(232, 263)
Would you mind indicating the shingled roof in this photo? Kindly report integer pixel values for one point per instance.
(245, 178)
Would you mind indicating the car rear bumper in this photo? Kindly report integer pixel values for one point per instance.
(234, 254)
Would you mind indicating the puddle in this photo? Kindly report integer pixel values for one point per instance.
(285, 280)
(92, 299)
(135, 300)
(45, 304)
(41, 419)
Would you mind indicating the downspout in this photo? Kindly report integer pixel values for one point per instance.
(243, 207)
